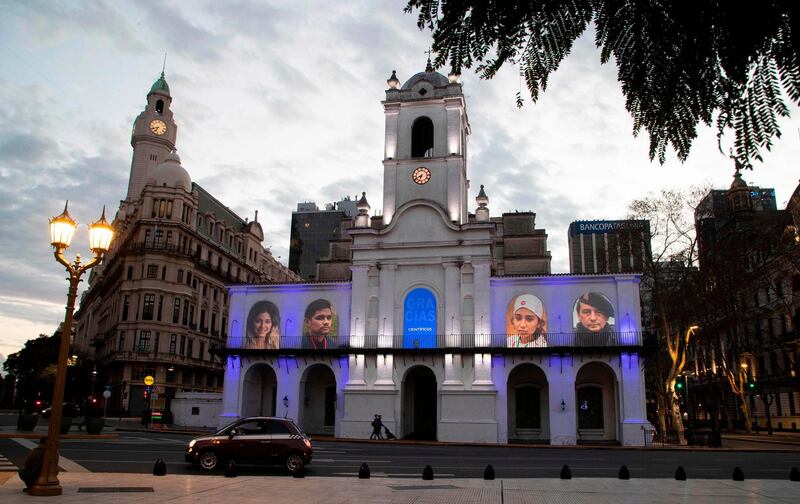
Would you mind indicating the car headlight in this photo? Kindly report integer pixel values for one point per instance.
(192, 443)
(307, 442)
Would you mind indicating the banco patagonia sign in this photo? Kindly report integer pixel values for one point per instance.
(419, 319)
(592, 227)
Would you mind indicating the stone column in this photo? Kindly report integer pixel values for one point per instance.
(452, 304)
(230, 391)
(632, 401)
(358, 305)
(386, 327)
(561, 382)
(483, 319)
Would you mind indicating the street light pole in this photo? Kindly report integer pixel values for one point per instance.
(62, 227)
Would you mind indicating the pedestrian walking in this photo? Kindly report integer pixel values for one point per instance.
(376, 428)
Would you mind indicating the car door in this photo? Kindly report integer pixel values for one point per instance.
(281, 440)
(250, 441)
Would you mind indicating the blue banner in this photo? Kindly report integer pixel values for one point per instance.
(419, 319)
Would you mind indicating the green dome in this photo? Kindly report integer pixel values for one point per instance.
(160, 86)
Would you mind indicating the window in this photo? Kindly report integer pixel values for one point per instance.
(189, 278)
(173, 343)
(147, 309)
(422, 137)
(180, 276)
(215, 294)
(213, 321)
(183, 345)
(189, 348)
(156, 341)
(203, 320)
(126, 304)
(160, 306)
(176, 311)
(202, 351)
(205, 289)
(152, 271)
(121, 343)
(160, 106)
(185, 313)
(130, 273)
(590, 408)
(143, 345)
(528, 414)
(163, 273)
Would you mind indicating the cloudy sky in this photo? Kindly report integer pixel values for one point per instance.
(279, 102)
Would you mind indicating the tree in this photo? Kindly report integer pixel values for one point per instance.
(679, 63)
(669, 279)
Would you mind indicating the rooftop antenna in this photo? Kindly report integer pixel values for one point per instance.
(164, 66)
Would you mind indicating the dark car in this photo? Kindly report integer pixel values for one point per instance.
(67, 410)
(252, 440)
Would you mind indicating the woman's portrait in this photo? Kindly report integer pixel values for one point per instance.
(263, 326)
(526, 322)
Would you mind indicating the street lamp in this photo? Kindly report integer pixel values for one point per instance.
(62, 228)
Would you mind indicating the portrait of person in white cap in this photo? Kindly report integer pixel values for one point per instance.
(526, 322)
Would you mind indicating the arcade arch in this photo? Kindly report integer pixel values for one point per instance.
(259, 391)
(419, 406)
(528, 404)
(597, 408)
(318, 396)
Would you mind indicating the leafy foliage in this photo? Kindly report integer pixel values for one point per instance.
(680, 63)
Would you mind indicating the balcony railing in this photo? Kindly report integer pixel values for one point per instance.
(453, 342)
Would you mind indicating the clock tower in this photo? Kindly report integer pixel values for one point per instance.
(153, 137)
(426, 144)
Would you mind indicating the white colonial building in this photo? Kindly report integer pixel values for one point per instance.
(429, 331)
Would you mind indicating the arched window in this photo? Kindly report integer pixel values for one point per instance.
(422, 137)
(160, 106)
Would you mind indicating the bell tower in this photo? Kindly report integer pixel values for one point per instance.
(425, 154)
(153, 137)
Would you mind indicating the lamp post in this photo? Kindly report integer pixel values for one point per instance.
(62, 228)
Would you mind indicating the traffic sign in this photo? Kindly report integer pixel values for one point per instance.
(106, 394)
(149, 380)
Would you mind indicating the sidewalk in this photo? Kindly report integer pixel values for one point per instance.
(121, 488)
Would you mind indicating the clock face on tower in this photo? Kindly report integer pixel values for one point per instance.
(158, 127)
(421, 175)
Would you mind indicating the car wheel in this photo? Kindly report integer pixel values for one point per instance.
(209, 460)
(294, 462)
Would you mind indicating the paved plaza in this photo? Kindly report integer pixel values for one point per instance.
(86, 488)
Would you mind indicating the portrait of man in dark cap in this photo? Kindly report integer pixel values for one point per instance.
(593, 315)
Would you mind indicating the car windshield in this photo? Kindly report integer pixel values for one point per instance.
(222, 430)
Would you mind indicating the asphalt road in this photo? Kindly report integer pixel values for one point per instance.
(135, 452)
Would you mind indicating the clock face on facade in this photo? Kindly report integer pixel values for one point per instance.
(158, 127)
(421, 175)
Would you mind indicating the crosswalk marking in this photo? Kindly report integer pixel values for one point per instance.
(6, 465)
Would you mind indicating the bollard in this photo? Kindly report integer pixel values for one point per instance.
(231, 471)
(624, 473)
(363, 471)
(160, 468)
(427, 473)
(566, 472)
(488, 474)
(680, 474)
(738, 475)
(794, 474)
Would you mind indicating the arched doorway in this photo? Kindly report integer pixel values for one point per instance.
(596, 398)
(419, 404)
(528, 405)
(259, 391)
(318, 396)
